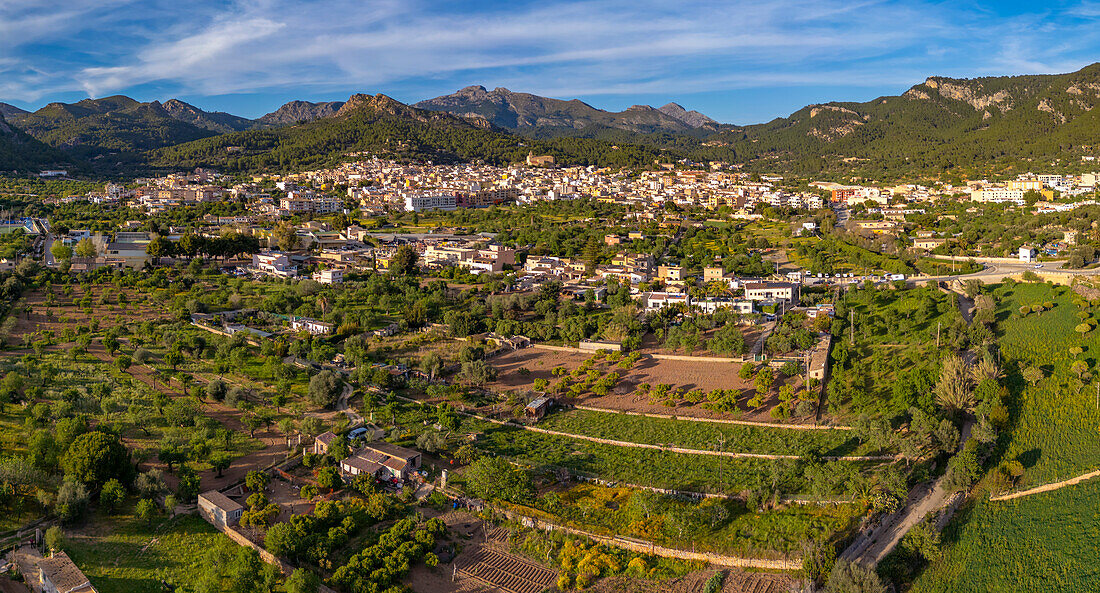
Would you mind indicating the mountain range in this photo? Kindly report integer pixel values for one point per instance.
(524, 111)
(942, 125)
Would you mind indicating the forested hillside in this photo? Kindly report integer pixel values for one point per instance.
(18, 151)
(384, 126)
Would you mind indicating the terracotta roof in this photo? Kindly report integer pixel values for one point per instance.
(65, 576)
(326, 437)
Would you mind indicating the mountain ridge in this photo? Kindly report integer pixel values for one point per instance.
(525, 111)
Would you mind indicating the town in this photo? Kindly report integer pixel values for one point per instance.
(345, 329)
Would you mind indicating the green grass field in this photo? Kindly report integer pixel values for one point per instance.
(1045, 542)
(649, 467)
(1056, 432)
(128, 556)
(703, 435)
(724, 527)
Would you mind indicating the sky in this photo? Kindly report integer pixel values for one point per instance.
(738, 61)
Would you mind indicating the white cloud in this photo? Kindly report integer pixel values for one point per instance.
(552, 47)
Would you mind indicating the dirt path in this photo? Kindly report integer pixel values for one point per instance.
(1047, 487)
(871, 546)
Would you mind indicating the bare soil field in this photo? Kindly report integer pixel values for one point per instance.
(683, 374)
(650, 345)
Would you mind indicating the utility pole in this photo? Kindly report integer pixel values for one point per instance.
(852, 324)
(938, 323)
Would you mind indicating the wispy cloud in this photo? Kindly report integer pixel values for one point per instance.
(594, 47)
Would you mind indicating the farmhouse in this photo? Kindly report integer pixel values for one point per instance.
(317, 328)
(383, 461)
(218, 509)
(58, 574)
(323, 442)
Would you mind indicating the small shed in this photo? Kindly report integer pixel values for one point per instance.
(218, 509)
(538, 408)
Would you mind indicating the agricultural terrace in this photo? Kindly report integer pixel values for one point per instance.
(697, 388)
(894, 360)
(721, 526)
(1048, 346)
(546, 454)
(707, 435)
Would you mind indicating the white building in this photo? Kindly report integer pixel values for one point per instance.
(998, 195)
(423, 203)
(329, 276)
(317, 328)
(274, 263)
(1028, 253)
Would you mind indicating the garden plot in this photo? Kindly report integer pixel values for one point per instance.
(505, 571)
(518, 370)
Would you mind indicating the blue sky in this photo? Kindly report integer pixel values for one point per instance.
(737, 61)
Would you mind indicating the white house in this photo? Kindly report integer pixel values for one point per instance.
(274, 263)
(1028, 253)
(317, 328)
(329, 276)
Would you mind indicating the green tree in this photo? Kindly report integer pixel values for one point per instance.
(113, 495)
(86, 248)
(189, 484)
(256, 480)
(146, 510)
(325, 388)
(72, 499)
(220, 461)
(55, 539)
(404, 261)
(302, 581)
(495, 478)
(852, 577)
(61, 251)
(95, 457)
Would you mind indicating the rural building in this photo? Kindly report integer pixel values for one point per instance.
(274, 264)
(383, 461)
(709, 306)
(713, 274)
(329, 276)
(659, 300)
(317, 328)
(928, 243)
(58, 574)
(538, 408)
(218, 509)
(1027, 253)
(323, 442)
(671, 273)
(762, 291)
(819, 358)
